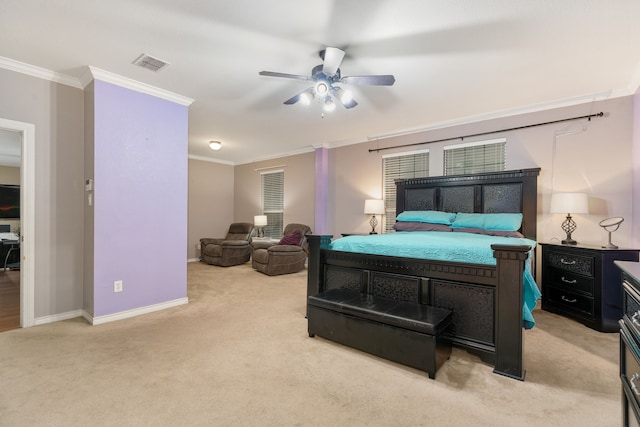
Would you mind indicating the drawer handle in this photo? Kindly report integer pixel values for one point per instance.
(634, 387)
(571, 282)
(634, 318)
(567, 262)
(569, 300)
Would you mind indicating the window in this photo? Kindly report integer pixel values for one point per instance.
(475, 157)
(414, 164)
(272, 184)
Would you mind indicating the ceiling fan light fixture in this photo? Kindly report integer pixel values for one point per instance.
(346, 96)
(322, 88)
(215, 145)
(329, 105)
(306, 97)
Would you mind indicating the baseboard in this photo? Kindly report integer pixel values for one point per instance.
(134, 312)
(193, 260)
(57, 317)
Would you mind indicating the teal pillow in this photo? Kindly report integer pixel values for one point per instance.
(498, 221)
(431, 217)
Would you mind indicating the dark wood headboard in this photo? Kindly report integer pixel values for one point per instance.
(492, 192)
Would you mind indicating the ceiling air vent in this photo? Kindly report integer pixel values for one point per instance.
(150, 63)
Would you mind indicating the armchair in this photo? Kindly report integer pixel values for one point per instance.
(234, 249)
(286, 256)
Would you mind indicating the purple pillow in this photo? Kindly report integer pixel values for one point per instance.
(489, 232)
(419, 226)
(291, 239)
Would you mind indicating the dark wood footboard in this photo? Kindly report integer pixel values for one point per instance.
(486, 300)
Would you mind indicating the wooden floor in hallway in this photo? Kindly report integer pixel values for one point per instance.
(9, 300)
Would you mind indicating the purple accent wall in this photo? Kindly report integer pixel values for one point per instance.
(140, 199)
(322, 190)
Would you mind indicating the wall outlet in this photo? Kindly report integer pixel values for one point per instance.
(117, 286)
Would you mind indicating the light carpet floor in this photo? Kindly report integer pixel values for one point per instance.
(239, 355)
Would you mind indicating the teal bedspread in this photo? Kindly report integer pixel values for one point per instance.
(445, 246)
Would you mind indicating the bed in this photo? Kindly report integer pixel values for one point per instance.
(486, 298)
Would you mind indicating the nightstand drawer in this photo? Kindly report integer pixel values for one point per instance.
(570, 262)
(571, 301)
(571, 281)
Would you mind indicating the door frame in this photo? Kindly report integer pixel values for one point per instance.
(27, 218)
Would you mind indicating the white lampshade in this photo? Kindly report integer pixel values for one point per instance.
(373, 207)
(215, 145)
(260, 220)
(569, 203)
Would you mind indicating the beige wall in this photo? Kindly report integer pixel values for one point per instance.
(211, 199)
(299, 188)
(9, 175)
(596, 159)
(56, 111)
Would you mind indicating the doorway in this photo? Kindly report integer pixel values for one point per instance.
(24, 136)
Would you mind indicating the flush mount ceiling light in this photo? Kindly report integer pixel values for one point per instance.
(215, 145)
(328, 82)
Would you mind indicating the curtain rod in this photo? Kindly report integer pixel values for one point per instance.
(589, 116)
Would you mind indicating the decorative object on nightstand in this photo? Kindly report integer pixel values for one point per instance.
(581, 282)
(373, 207)
(260, 221)
(569, 203)
(611, 224)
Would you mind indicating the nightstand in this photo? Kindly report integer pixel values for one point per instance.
(581, 282)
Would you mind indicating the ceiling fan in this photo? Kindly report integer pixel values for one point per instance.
(328, 82)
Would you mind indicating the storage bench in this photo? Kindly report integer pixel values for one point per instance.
(403, 332)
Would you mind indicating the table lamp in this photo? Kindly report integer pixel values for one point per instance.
(569, 203)
(260, 221)
(373, 207)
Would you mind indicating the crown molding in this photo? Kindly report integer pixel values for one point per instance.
(208, 159)
(94, 73)
(303, 150)
(42, 73)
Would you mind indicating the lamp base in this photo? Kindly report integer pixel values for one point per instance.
(569, 226)
(373, 222)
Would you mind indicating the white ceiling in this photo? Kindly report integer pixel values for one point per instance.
(453, 60)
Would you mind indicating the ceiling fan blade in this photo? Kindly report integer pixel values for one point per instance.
(284, 75)
(292, 100)
(332, 60)
(382, 80)
(350, 104)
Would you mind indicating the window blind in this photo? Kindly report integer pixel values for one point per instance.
(413, 164)
(475, 157)
(272, 184)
